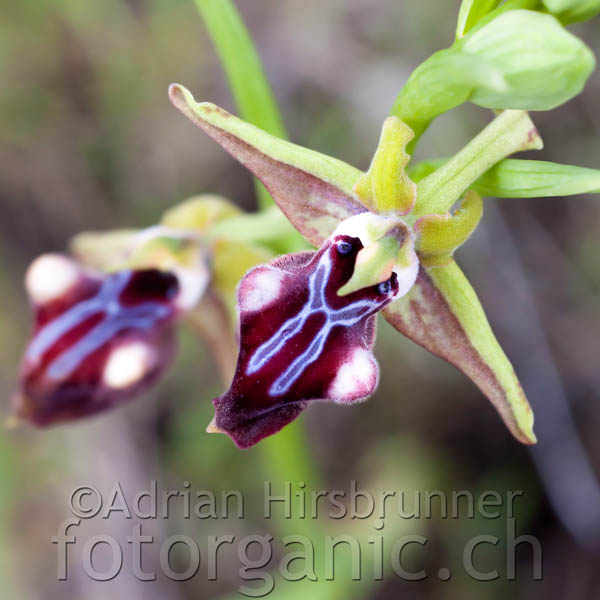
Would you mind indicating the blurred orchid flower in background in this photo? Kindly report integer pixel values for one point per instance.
(98, 340)
(105, 319)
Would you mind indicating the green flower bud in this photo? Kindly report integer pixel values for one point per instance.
(570, 11)
(520, 59)
(543, 65)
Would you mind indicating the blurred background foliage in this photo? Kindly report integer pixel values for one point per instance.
(89, 140)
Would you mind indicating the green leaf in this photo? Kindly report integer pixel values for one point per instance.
(543, 64)
(571, 11)
(443, 314)
(313, 190)
(512, 59)
(471, 12)
(514, 178)
(249, 85)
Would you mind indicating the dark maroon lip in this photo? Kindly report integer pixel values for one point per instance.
(293, 349)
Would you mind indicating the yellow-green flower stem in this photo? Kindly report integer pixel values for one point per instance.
(245, 74)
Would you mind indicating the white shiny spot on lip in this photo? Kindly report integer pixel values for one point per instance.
(127, 364)
(260, 288)
(355, 379)
(49, 277)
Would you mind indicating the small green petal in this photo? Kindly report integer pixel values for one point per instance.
(440, 235)
(512, 131)
(386, 187)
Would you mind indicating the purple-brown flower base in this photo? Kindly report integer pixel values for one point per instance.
(300, 341)
(97, 341)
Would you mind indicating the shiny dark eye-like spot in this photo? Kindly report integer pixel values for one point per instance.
(384, 287)
(344, 247)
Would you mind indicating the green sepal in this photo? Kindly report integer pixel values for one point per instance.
(200, 213)
(233, 237)
(314, 191)
(269, 228)
(443, 314)
(155, 247)
(104, 250)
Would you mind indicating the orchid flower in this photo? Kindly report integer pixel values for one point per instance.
(402, 235)
(97, 340)
(105, 318)
(300, 339)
